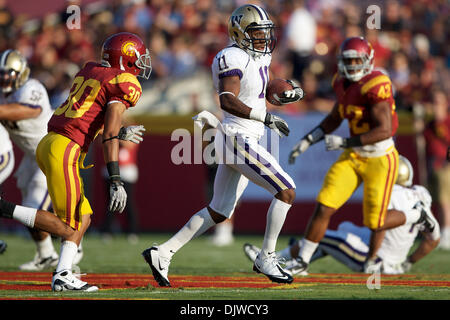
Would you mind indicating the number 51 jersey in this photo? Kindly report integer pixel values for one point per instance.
(82, 115)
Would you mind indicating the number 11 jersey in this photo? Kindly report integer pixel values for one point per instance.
(253, 74)
(82, 115)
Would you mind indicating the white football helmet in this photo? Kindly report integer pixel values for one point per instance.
(405, 172)
(14, 70)
(247, 20)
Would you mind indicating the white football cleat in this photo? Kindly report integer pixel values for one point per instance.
(251, 251)
(159, 265)
(65, 280)
(39, 263)
(270, 267)
(296, 266)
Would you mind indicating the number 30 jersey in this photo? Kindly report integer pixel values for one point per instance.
(354, 102)
(254, 75)
(82, 115)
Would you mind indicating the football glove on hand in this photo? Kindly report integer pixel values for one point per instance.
(372, 265)
(406, 265)
(298, 149)
(277, 124)
(117, 196)
(291, 96)
(132, 133)
(333, 142)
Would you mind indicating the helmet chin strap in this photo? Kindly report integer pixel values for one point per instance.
(121, 64)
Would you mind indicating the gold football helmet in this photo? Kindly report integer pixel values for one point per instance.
(405, 172)
(252, 30)
(14, 70)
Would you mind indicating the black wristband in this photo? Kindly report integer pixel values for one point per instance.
(113, 170)
(6, 209)
(315, 135)
(115, 137)
(353, 142)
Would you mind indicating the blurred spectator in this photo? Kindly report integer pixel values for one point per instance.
(437, 136)
(300, 38)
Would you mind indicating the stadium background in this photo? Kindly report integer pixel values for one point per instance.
(183, 37)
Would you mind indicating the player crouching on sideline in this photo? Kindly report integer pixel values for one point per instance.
(349, 244)
(100, 94)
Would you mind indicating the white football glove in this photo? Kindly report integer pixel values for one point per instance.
(298, 149)
(290, 96)
(333, 142)
(277, 124)
(117, 196)
(372, 265)
(132, 133)
(406, 265)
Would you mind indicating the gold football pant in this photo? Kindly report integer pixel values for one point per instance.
(58, 157)
(378, 176)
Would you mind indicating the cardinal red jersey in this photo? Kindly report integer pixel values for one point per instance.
(82, 115)
(356, 98)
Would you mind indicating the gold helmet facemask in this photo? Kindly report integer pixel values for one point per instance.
(250, 28)
(14, 70)
(405, 172)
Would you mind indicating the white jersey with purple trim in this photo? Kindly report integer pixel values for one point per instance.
(398, 241)
(254, 75)
(5, 144)
(27, 134)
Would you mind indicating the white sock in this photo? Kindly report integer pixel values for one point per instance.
(274, 222)
(25, 215)
(66, 256)
(224, 229)
(45, 247)
(412, 216)
(197, 225)
(307, 249)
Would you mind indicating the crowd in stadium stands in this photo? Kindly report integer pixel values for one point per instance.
(184, 35)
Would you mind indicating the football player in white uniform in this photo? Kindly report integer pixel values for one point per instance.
(349, 244)
(6, 165)
(24, 112)
(240, 75)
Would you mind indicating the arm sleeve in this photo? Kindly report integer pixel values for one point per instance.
(124, 88)
(378, 89)
(231, 62)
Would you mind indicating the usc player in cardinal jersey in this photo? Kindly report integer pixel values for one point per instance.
(100, 93)
(364, 98)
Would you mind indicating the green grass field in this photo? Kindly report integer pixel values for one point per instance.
(200, 258)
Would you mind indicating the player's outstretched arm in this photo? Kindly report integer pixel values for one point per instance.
(381, 115)
(331, 122)
(427, 245)
(17, 111)
(113, 121)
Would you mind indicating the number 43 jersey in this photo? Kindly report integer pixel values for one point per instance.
(82, 115)
(355, 99)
